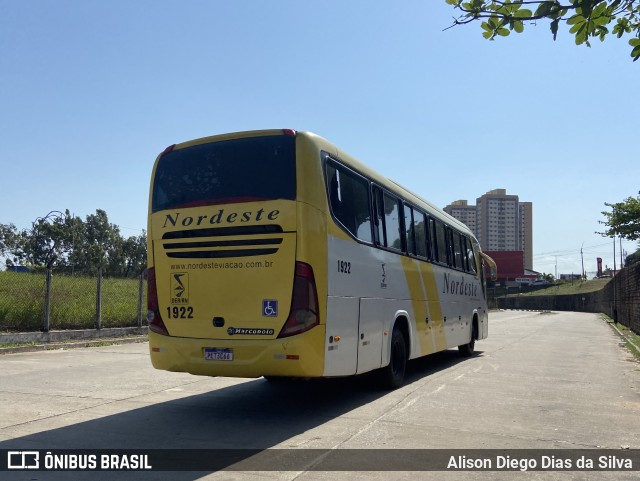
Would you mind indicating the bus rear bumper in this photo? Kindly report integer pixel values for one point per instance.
(297, 356)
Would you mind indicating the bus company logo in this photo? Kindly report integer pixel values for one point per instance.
(459, 287)
(23, 460)
(221, 217)
(250, 331)
(180, 288)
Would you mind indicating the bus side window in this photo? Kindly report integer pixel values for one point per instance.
(471, 257)
(378, 212)
(449, 240)
(421, 233)
(441, 245)
(458, 250)
(334, 191)
(392, 222)
(464, 252)
(410, 229)
(349, 200)
(432, 253)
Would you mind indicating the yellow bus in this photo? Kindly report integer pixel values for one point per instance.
(273, 253)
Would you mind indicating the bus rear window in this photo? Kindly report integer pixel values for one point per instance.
(231, 171)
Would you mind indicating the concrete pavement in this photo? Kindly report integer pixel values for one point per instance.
(541, 381)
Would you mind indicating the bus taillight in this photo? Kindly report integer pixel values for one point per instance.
(304, 302)
(153, 311)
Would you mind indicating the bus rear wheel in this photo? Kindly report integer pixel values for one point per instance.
(392, 376)
(279, 379)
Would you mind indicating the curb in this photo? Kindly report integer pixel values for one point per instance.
(623, 336)
(71, 345)
(44, 341)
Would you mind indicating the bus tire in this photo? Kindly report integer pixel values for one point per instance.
(466, 350)
(278, 379)
(392, 376)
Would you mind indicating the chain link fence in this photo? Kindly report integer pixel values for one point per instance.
(53, 301)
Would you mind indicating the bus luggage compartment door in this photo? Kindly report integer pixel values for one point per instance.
(370, 334)
(341, 354)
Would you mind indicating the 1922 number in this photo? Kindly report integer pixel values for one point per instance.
(181, 312)
(344, 267)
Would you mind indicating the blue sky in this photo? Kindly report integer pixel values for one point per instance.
(92, 91)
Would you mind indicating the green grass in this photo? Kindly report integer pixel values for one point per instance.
(70, 343)
(568, 287)
(630, 338)
(73, 302)
(11, 345)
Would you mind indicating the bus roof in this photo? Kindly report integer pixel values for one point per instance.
(387, 183)
(349, 160)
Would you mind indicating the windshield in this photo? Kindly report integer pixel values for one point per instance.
(231, 171)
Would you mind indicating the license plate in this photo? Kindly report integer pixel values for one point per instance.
(214, 354)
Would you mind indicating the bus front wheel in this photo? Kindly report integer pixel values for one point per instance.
(467, 350)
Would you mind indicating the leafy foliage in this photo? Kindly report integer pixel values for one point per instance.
(624, 219)
(65, 242)
(586, 19)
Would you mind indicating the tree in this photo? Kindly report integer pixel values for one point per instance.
(66, 243)
(49, 240)
(11, 243)
(624, 219)
(102, 246)
(48, 243)
(586, 19)
(135, 255)
(101, 243)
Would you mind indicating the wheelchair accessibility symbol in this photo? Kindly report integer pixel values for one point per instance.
(269, 308)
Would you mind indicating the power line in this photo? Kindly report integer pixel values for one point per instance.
(589, 249)
(571, 251)
(131, 228)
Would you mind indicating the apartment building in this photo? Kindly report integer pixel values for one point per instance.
(500, 222)
(465, 213)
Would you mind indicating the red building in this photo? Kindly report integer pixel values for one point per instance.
(510, 266)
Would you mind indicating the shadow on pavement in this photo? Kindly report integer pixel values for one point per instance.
(254, 415)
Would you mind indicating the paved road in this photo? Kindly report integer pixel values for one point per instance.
(555, 380)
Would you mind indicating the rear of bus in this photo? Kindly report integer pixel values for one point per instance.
(232, 288)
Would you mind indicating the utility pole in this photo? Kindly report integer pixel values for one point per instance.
(621, 263)
(582, 256)
(614, 255)
(615, 308)
(73, 243)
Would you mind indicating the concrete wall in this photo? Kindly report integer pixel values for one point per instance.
(619, 299)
